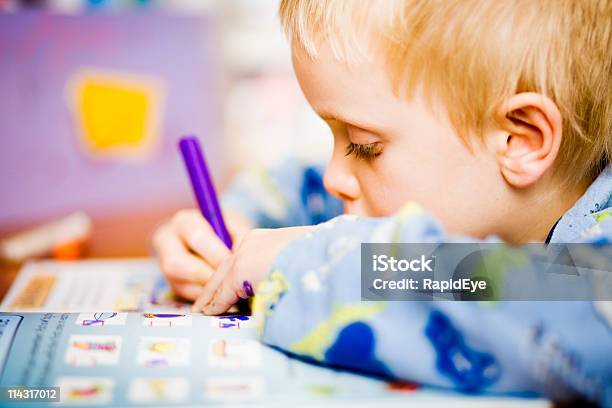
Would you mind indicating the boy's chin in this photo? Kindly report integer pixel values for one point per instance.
(350, 211)
(353, 209)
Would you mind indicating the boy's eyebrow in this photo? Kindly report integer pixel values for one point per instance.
(328, 115)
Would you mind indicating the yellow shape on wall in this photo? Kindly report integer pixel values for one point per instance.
(118, 114)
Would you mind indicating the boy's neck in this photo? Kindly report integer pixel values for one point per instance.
(539, 216)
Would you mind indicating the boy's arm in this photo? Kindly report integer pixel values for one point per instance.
(290, 195)
(310, 305)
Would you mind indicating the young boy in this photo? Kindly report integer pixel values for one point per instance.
(450, 118)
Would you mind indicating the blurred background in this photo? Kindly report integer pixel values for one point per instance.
(95, 95)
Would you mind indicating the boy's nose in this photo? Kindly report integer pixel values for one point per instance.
(339, 179)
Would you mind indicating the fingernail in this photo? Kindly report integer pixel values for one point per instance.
(248, 289)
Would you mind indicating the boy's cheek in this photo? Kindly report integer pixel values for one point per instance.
(381, 197)
(372, 205)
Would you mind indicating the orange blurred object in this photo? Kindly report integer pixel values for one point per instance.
(68, 251)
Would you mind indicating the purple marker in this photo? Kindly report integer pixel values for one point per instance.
(203, 187)
(204, 191)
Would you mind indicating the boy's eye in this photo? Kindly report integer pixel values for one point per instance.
(364, 151)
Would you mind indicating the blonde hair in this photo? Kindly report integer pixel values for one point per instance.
(473, 54)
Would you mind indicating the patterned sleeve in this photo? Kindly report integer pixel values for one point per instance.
(290, 195)
(310, 305)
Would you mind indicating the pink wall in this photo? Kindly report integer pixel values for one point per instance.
(43, 170)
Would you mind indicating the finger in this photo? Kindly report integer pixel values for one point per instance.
(187, 291)
(222, 300)
(197, 234)
(212, 285)
(178, 264)
(160, 235)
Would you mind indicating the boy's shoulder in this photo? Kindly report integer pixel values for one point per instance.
(591, 216)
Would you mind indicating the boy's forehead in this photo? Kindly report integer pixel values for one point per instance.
(357, 92)
(329, 83)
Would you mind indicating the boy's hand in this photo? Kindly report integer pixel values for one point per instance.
(239, 273)
(189, 251)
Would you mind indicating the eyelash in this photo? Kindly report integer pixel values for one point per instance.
(364, 151)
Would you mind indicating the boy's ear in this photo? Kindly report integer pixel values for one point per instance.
(531, 131)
